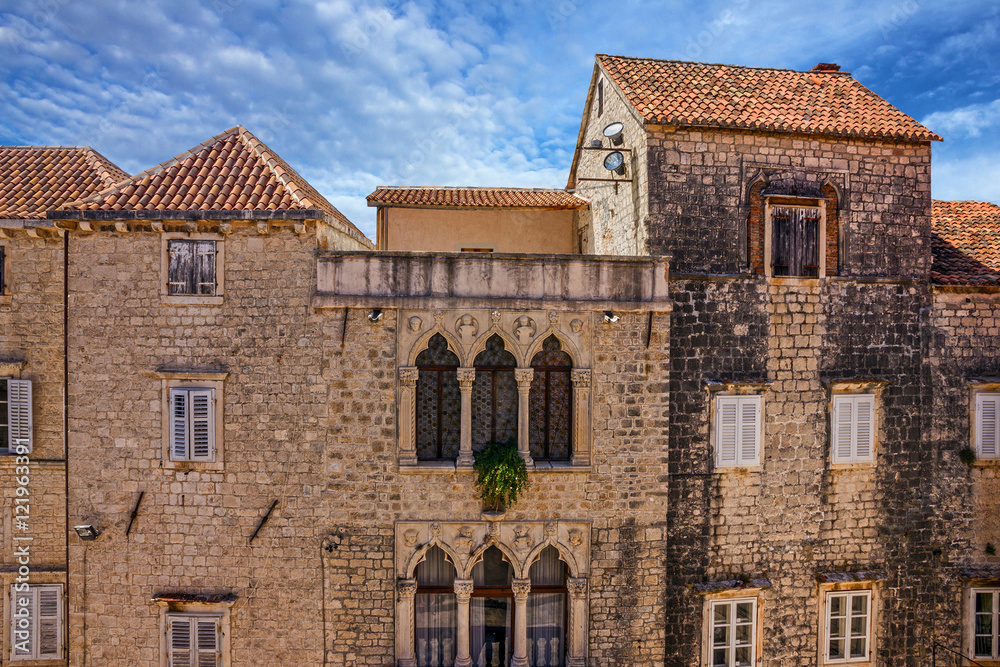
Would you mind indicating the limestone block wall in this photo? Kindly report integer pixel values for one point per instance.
(699, 181)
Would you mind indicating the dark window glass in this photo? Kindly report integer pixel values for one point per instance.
(439, 403)
(3, 274)
(191, 267)
(4, 415)
(494, 396)
(550, 405)
(492, 611)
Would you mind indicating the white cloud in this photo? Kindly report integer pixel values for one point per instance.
(969, 120)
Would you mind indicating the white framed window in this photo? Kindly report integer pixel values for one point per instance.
(15, 416)
(194, 639)
(738, 430)
(733, 632)
(987, 426)
(984, 629)
(192, 424)
(848, 626)
(36, 622)
(853, 428)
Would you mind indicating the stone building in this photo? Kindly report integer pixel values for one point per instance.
(783, 451)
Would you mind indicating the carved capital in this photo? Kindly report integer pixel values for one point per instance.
(263, 228)
(408, 376)
(521, 587)
(226, 228)
(466, 377)
(581, 377)
(156, 226)
(577, 587)
(463, 589)
(524, 375)
(300, 228)
(407, 588)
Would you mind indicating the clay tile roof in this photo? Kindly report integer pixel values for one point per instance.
(965, 243)
(220, 174)
(822, 101)
(35, 179)
(475, 197)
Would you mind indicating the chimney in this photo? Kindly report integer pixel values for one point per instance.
(826, 67)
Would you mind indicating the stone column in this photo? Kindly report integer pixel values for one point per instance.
(521, 588)
(466, 378)
(463, 592)
(523, 377)
(407, 415)
(580, 378)
(576, 633)
(406, 591)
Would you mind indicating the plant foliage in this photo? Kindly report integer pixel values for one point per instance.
(501, 475)
(967, 456)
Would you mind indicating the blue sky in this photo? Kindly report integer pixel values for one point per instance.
(355, 95)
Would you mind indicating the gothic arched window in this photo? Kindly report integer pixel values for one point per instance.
(439, 404)
(494, 396)
(547, 610)
(550, 403)
(436, 614)
(492, 610)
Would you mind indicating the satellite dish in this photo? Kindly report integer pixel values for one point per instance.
(614, 133)
(615, 162)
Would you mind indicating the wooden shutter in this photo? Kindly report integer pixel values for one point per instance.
(204, 267)
(207, 639)
(201, 407)
(853, 428)
(180, 267)
(843, 429)
(49, 622)
(178, 424)
(3, 283)
(749, 429)
(864, 434)
(728, 417)
(19, 413)
(179, 640)
(987, 421)
(22, 639)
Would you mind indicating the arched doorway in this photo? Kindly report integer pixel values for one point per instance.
(492, 611)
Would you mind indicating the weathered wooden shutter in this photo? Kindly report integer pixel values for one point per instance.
(180, 268)
(201, 424)
(987, 422)
(728, 416)
(864, 434)
(179, 432)
(179, 641)
(49, 622)
(22, 635)
(749, 429)
(19, 413)
(204, 268)
(795, 241)
(3, 274)
(781, 245)
(208, 632)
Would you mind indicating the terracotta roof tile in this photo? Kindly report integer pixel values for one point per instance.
(670, 92)
(965, 243)
(475, 198)
(35, 179)
(211, 177)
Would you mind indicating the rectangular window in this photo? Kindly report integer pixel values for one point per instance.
(987, 427)
(795, 242)
(733, 633)
(192, 424)
(738, 430)
(191, 267)
(15, 416)
(986, 623)
(194, 639)
(3, 273)
(36, 631)
(848, 616)
(600, 97)
(853, 428)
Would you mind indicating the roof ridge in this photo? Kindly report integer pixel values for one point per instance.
(288, 177)
(464, 187)
(694, 62)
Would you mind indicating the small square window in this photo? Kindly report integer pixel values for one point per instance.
(738, 430)
(192, 424)
(192, 268)
(987, 426)
(15, 416)
(853, 426)
(733, 633)
(795, 241)
(984, 628)
(36, 622)
(848, 626)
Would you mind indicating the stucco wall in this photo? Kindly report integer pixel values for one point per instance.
(503, 230)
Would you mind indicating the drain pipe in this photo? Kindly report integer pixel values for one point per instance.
(65, 323)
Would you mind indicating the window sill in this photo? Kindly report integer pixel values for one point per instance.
(193, 466)
(985, 463)
(6, 299)
(191, 300)
(738, 469)
(561, 467)
(432, 467)
(854, 465)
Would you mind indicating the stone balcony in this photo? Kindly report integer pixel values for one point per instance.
(490, 280)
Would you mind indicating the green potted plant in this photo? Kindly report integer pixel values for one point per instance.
(501, 476)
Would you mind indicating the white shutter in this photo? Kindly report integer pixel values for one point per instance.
(208, 642)
(727, 408)
(22, 636)
(49, 622)
(179, 640)
(843, 429)
(749, 429)
(178, 425)
(864, 441)
(202, 424)
(19, 413)
(987, 420)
